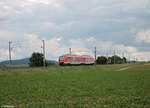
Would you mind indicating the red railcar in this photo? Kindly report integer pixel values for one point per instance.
(69, 59)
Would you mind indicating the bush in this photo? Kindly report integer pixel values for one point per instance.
(101, 60)
(36, 60)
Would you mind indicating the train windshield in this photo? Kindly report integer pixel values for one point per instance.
(61, 58)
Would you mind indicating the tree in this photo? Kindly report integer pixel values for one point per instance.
(116, 60)
(124, 60)
(109, 61)
(36, 60)
(101, 60)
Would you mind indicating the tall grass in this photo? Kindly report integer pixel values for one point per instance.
(76, 87)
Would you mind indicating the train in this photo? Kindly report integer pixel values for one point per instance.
(70, 59)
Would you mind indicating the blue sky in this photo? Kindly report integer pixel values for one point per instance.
(121, 25)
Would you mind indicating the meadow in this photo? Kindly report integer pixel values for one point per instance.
(98, 86)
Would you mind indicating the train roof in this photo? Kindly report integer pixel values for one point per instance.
(74, 55)
(69, 55)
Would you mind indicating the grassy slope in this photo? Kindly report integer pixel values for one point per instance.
(81, 86)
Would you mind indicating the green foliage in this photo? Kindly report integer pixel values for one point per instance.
(111, 60)
(36, 60)
(98, 86)
(124, 60)
(116, 60)
(101, 60)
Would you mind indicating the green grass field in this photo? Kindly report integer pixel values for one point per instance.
(100, 86)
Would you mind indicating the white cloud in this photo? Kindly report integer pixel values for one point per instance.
(46, 2)
(10, 9)
(30, 43)
(131, 49)
(3, 54)
(140, 56)
(143, 36)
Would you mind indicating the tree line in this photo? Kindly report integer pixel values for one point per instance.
(37, 60)
(111, 60)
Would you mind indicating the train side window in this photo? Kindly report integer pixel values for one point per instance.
(69, 59)
(77, 59)
(83, 59)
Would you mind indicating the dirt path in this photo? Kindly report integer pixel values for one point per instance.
(125, 68)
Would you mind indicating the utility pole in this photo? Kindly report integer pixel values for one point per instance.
(44, 61)
(107, 57)
(123, 57)
(95, 54)
(70, 51)
(114, 57)
(10, 61)
(136, 59)
(129, 58)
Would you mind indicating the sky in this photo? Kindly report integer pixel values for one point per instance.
(120, 26)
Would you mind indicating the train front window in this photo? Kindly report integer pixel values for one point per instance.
(61, 58)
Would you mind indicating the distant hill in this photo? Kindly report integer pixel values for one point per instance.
(24, 61)
(52, 62)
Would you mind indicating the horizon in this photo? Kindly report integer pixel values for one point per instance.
(136, 60)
